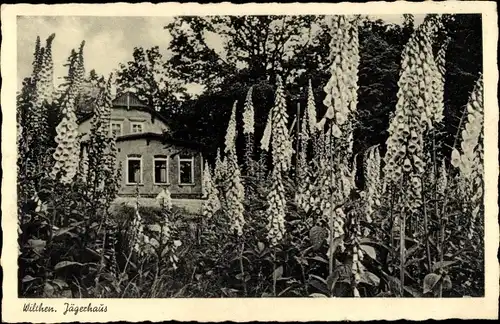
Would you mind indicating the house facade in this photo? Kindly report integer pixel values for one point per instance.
(146, 160)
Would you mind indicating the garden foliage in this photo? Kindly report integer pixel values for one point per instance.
(321, 211)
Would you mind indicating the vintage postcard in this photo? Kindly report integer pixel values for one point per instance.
(255, 162)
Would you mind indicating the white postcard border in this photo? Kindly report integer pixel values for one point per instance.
(264, 309)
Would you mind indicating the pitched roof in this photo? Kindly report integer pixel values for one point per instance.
(129, 100)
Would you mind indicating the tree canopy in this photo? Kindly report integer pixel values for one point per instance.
(228, 55)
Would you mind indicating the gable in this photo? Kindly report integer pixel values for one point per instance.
(129, 112)
(128, 100)
(150, 122)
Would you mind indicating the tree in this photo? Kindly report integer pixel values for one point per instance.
(381, 45)
(89, 92)
(463, 66)
(259, 46)
(306, 58)
(149, 75)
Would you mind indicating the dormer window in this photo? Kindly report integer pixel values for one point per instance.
(116, 128)
(136, 127)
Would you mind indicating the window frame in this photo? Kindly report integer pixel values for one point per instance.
(141, 179)
(161, 158)
(179, 160)
(134, 123)
(118, 122)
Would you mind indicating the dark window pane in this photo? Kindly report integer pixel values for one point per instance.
(136, 128)
(116, 129)
(161, 171)
(186, 175)
(134, 171)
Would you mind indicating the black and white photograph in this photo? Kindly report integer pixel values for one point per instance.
(250, 156)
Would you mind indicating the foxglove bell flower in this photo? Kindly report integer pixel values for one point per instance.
(281, 156)
(231, 130)
(419, 108)
(311, 110)
(212, 204)
(68, 147)
(164, 198)
(248, 114)
(470, 162)
(235, 195)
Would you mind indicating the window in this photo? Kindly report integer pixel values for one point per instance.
(160, 170)
(186, 170)
(136, 127)
(116, 128)
(134, 170)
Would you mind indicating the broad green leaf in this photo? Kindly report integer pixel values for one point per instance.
(28, 278)
(63, 231)
(395, 287)
(317, 235)
(66, 293)
(48, 290)
(93, 253)
(370, 278)
(278, 273)
(412, 250)
(318, 295)
(318, 278)
(335, 244)
(370, 251)
(344, 272)
(108, 277)
(413, 292)
(332, 280)
(239, 276)
(37, 245)
(366, 241)
(320, 259)
(60, 283)
(442, 264)
(285, 290)
(430, 282)
(319, 283)
(229, 291)
(64, 264)
(447, 283)
(301, 260)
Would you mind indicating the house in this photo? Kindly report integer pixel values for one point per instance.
(147, 161)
